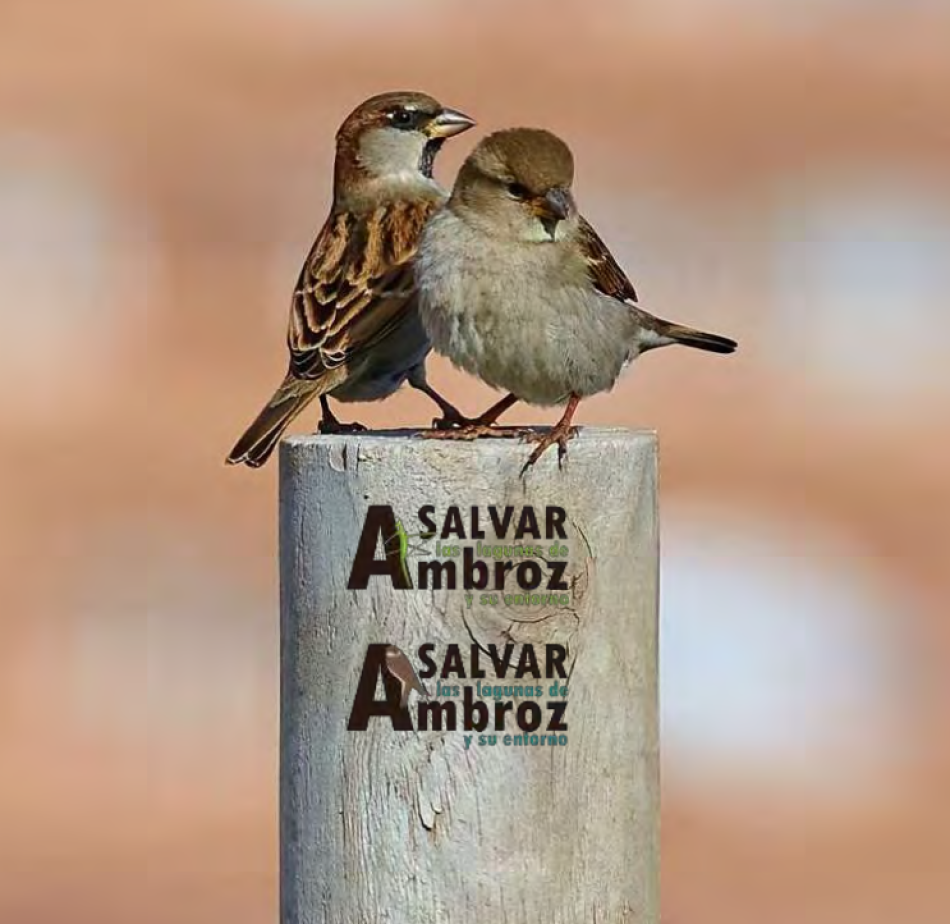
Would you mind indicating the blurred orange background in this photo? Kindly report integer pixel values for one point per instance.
(774, 171)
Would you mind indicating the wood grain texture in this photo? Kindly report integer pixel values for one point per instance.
(410, 827)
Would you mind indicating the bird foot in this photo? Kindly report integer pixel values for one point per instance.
(451, 420)
(560, 433)
(473, 430)
(332, 425)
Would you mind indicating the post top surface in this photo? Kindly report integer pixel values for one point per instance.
(411, 437)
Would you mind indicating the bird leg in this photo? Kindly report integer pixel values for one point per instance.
(330, 424)
(560, 433)
(451, 416)
(470, 428)
(495, 411)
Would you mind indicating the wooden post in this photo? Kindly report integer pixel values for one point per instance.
(431, 826)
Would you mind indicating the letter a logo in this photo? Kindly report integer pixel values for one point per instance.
(380, 524)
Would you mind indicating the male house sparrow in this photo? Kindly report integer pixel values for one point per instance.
(354, 331)
(516, 287)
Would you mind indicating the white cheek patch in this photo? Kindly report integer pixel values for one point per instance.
(389, 151)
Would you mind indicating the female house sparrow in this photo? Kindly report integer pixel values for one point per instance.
(354, 330)
(516, 287)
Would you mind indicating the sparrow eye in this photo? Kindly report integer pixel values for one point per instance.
(402, 118)
(517, 191)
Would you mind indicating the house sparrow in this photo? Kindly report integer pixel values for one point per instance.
(400, 667)
(354, 330)
(516, 287)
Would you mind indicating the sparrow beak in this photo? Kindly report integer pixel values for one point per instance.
(557, 205)
(447, 123)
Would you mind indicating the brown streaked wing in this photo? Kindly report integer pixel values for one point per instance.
(355, 285)
(605, 272)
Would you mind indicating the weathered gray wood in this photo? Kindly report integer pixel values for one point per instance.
(410, 827)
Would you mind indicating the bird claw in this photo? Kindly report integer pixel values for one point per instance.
(335, 426)
(451, 421)
(557, 434)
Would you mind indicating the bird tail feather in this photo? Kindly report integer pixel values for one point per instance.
(260, 438)
(701, 340)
